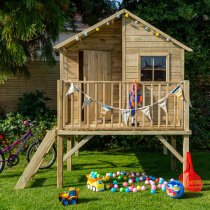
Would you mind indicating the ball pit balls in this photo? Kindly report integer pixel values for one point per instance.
(141, 178)
(157, 180)
(137, 179)
(107, 186)
(175, 189)
(125, 184)
(107, 178)
(138, 188)
(120, 177)
(171, 179)
(110, 174)
(147, 178)
(152, 182)
(113, 189)
(134, 189)
(159, 185)
(153, 187)
(131, 188)
(116, 186)
(147, 182)
(132, 175)
(152, 191)
(130, 181)
(127, 190)
(114, 175)
(165, 183)
(163, 188)
(111, 185)
(122, 173)
(114, 182)
(137, 174)
(125, 178)
(122, 189)
(118, 173)
(143, 188)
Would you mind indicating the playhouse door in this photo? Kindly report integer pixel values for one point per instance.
(97, 67)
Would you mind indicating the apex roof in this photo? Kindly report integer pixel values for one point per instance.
(91, 29)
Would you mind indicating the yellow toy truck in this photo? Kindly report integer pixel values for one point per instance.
(95, 184)
(69, 198)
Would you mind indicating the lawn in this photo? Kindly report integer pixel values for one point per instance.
(41, 192)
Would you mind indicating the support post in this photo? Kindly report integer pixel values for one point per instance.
(69, 160)
(173, 158)
(165, 151)
(76, 141)
(59, 138)
(185, 150)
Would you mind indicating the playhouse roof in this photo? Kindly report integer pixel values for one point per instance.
(92, 29)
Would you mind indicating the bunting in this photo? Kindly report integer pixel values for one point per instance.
(105, 109)
(72, 89)
(125, 114)
(178, 92)
(146, 112)
(87, 101)
(162, 103)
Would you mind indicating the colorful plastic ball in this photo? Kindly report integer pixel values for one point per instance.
(114, 182)
(98, 175)
(147, 178)
(171, 179)
(152, 182)
(152, 191)
(151, 177)
(116, 186)
(125, 178)
(131, 188)
(127, 190)
(165, 182)
(160, 186)
(110, 174)
(113, 189)
(138, 188)
(130, 181)
(153, 187)
(120, 177)
(163, 188)
(134, 189)
(132, 175)
(122, 173)
(111, 185)
(137, 179)
(141, 178)
(137, 174)
(125, 184)
(161, 181)
(107, 186)
(118, 173)
(154, 179)
(114, 175)
(143, 188)
(107, 178)
(147, 182)
(175, 189)
(122, 189)
(157, 180)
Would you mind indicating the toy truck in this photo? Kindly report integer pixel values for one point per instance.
(69, 198)
(95, 184)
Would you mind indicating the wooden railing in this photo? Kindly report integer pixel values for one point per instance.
(115, 94)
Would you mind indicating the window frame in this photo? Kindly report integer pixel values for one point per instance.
(167, 55)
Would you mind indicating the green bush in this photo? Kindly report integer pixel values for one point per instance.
(33, 104)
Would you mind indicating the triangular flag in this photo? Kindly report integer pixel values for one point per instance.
(105, 109)
(87, 101)
(146, 112)
(178, 92)
(162, 103)
(125, 114)
(71, 89)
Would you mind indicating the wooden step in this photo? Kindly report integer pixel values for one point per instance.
(36, 160)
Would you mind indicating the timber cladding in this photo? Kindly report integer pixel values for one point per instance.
(43, 78)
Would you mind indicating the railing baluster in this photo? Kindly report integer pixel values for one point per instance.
(112, 102)
(88, 107)
(96, 104)
(159, 111)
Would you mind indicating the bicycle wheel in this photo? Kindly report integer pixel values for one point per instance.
(2, 162)
(49, 158)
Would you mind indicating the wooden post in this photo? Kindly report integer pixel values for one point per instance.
(165, 151)
(173, 158)
(185, 150)
(76, 141)
(69, 160)
(60, 139)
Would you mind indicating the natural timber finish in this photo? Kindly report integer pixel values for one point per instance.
(173, 158)
(36, 160)
(185, 150)
(77, 146)
(169, 147)
(69, 147)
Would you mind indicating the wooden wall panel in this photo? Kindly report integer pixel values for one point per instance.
(43, 78)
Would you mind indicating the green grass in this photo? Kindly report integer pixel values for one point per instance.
(42, 193)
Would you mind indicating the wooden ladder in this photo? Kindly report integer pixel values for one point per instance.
(36, 160)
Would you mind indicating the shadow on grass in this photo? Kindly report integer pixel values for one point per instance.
(12, 175)
(38, 182)
(86, 200)
(189, 195)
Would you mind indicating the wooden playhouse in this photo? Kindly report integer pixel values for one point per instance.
(121, 76)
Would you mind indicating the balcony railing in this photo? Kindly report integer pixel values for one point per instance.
(115, 95)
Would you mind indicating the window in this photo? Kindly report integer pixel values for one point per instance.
(153, 68)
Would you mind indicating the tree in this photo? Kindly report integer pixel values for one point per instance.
(25, 23)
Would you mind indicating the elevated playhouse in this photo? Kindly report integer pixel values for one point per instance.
(121, 76)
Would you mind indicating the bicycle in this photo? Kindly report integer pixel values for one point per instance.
(13, 158)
